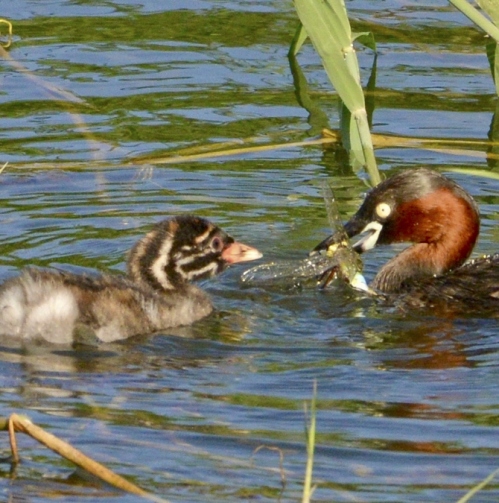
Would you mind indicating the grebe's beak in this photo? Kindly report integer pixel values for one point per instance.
(238, 252)
(369, 236)
(370, 233)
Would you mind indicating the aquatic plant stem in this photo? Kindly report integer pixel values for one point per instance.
(310, 432)
(9, 33)
(18, 423)
(326, 24)
(478, 487)
(477, 17)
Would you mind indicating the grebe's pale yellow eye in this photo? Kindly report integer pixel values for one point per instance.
(383, 210)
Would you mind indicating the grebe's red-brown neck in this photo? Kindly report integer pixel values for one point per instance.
(419, 206)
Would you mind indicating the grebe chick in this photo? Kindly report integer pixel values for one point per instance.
(442, 221)
(156, 294)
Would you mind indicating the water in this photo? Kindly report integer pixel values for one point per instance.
(407, 406)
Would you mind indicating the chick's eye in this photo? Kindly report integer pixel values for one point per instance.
(383, 210)
(216, 244)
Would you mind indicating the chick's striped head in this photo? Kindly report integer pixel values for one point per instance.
(183, 249)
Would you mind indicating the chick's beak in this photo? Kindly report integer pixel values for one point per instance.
(239, 252)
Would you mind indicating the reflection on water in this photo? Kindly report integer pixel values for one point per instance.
(406, 403)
